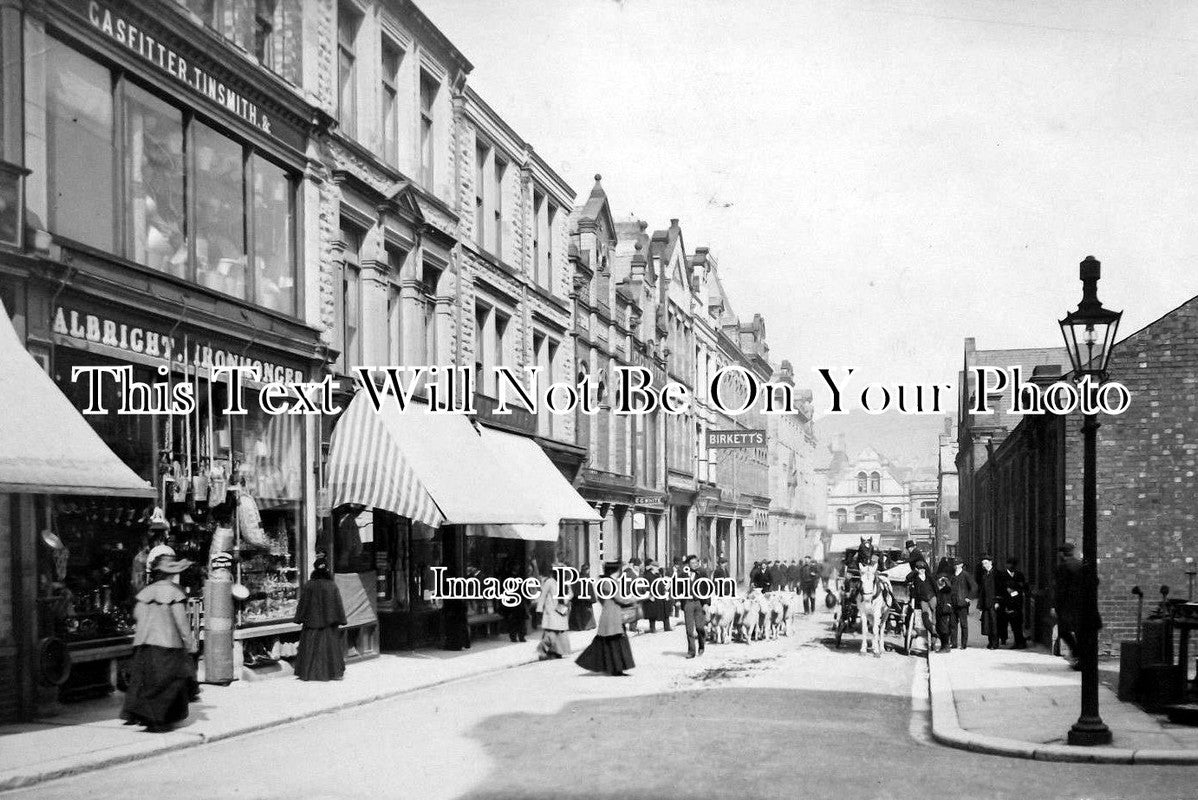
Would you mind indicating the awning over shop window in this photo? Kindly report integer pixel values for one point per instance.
(432, 468)
(46, 446)
(540, 480)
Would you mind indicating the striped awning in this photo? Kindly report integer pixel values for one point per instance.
(366, 466)
(430, 467)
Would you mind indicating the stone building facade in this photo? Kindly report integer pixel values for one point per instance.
(796, 513)
(615, 300)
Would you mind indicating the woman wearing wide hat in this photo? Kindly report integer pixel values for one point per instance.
(161, 670)
(609, 651)
(321, 655)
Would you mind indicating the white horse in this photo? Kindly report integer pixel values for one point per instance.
(873, 602)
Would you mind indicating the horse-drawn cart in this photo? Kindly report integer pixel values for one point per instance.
(897, 614)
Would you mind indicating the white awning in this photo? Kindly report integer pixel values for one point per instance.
(433, 468)
(46, 446)
(557, 501)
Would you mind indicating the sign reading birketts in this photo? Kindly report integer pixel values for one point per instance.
(734, 439)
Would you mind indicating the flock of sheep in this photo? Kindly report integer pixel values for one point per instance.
(758, 616)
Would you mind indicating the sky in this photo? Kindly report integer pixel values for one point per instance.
(879, 180)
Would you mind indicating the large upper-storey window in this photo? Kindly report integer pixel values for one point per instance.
(429, 87)
(347, 73)
(168, 191)
(389, 110)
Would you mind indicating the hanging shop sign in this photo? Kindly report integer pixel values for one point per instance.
(156, 46)
(147, 344)
(728, 440)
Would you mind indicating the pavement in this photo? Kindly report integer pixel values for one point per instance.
(795, 717)
(550, 729)
(1021, 703)
(89, 735)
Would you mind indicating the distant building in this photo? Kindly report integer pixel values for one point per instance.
(870, 496)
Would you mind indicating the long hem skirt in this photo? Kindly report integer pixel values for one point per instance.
(609, 654)
(160, 684)
(321, 655)
(554, 644)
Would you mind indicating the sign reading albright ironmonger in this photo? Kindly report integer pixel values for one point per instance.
(733, 439)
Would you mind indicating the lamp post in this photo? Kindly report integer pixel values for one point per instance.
(1089, 335)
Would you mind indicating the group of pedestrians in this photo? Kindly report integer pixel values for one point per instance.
(944, 599)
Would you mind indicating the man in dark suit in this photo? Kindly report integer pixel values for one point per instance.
(777, 575)
(988, 602)
(721, 570)
(962, 590)
(694, 612)
(1068, 585)
(1011, 586)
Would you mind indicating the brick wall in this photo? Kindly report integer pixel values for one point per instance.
(1147, 461)
(1028, 496)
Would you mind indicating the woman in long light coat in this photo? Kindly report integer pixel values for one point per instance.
(554, 605)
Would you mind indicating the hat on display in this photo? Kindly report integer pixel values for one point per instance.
(240, 592)
(52, 541)
(158, 520)
(170, 565)
(221, 561)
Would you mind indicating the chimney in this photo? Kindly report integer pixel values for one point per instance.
(638, 263)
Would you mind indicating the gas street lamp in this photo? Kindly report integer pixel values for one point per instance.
(1090, 337)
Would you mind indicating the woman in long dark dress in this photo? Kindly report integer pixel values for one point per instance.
(161, 670)
(321, 655)
(582, 614)
(656, 610)
(609, 651)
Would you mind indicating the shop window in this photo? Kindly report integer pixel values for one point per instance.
(220, 212)
(274, 258)
(225, 483)
(156, 230)
(80, 148)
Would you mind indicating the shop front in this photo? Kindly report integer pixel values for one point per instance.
(223, 482)
(164, 184)
(49, 453)
(444, 491)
